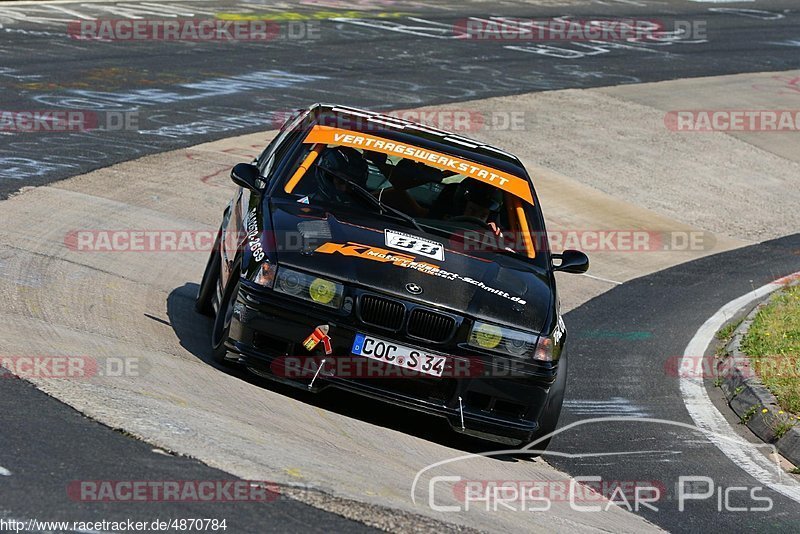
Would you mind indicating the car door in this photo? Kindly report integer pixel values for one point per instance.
(235, 224)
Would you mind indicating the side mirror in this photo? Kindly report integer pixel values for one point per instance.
(572, 261)
(246, 175)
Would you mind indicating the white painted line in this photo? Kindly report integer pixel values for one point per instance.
(751, 13)
(613, 406)
(602, 279)
(4, 472)
(71, 12)
(48, 2)
(710, 420)
(631, 2)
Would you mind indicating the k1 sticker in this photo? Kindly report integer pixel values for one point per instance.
(417, 245)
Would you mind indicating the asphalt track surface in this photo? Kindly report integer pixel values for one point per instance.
(48, 442)
(381, 68)
(633, 357)
(384, 56)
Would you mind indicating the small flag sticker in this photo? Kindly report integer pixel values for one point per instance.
(319, 335)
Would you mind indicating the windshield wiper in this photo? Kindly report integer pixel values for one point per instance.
(364, 193)
(375, 202)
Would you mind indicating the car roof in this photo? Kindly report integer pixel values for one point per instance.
(421, 135)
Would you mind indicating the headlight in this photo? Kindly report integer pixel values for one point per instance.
(322, 291)
(549, 348)
(502, 340)
(291, 282)
(265, 275)
(309, 287)
(486, 336)
(544, 350)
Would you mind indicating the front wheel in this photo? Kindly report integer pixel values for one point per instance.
(222, 324)
(552, 409)
(208, 285)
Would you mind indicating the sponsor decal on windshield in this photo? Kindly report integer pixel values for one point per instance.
(502, 180)
(412, 243)
(408, 261)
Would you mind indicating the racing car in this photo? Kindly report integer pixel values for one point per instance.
(397, 261)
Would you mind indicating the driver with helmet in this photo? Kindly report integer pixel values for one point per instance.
(481, 203)
(336, 168)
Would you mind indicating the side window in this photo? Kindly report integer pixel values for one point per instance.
(266, 159)
(281, 152)
(538, 235)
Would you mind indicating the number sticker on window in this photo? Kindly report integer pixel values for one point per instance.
(413, 244)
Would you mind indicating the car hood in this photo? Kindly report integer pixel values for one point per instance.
(352, 247)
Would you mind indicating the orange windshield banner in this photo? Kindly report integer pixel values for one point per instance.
(502, 180)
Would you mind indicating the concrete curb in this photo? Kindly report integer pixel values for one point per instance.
(755, 405)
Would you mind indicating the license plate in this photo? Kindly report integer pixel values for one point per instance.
(402, 356)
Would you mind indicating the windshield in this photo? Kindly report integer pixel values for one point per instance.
(476, 213)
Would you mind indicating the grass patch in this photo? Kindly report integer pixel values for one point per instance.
(782, 428)
(726, 332)
(773, 345)
(724, 337)
(744, 419)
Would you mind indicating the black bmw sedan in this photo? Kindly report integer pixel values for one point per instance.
(397, 261)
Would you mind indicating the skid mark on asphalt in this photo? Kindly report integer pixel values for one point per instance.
(209, 88)
(55, 15)
(612, 406)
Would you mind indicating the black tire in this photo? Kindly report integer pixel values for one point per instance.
(208, 285)
(222, 323)
(552, 408)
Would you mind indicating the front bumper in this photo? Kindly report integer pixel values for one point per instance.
(267, 334)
